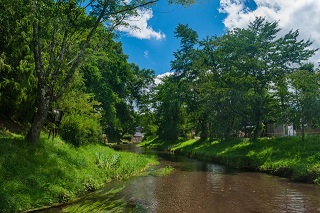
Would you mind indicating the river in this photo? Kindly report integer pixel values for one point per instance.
(197, 186)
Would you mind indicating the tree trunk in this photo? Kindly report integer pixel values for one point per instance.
(42, 90)
(38, 121)
(302, 131)
(257, 131)
(204, 130)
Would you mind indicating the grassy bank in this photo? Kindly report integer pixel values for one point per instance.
(287, 156)
(55, 172)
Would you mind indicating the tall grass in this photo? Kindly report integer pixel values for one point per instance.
(286, 156)
(56, 172)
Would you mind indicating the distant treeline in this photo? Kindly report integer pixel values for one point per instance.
(55, 54)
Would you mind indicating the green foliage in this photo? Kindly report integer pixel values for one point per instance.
(223, 84)
(80, 130)
(56, 172)
(257, 61)
(182, 2)
(81, 121)
(305, 96)
(17, 80)
(170, 113)
(117, 85)
(182, 65)
(42, 45)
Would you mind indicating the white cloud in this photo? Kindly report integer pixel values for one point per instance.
(158, 79)
(138, 26)
(303, 15)
(146, 54)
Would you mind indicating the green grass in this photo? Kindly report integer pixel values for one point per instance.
(101, 201)
(55, 172)
(286, 156)
(161, 171)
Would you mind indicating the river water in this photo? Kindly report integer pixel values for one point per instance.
(197, 186)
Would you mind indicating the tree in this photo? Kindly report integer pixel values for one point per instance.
(305, 96)
(184, 57)
(107, 75)
(219, 104)
(16, 63)
(234, 81)
(169, 109)
(209, 102)
(141, 85)
(58, 48)
(82, 115)
(61, 39)
(118, 85)
(256, 59)
(186, 74)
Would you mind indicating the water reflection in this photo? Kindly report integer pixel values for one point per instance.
(143, 193)
(292, 200)
(215, 178)
(256, 192)
(197, 186)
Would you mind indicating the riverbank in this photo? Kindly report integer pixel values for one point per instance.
(286, 157)
(55, 172)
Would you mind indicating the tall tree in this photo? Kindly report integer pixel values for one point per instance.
(305, 97)
(184, 57)
(186, 72)
(107, 75)
(81, 114)
(118, 85)
(169, 109)
(61, 39)
(141, 85)
(16, 63)
(256, 58)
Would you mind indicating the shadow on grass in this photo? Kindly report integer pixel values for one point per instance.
(100, 201)
(27, 170)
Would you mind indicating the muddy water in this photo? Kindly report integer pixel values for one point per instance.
(196, 186)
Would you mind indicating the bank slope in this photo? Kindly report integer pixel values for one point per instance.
(55, 172)
(287, 156)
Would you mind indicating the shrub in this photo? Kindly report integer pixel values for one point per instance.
(80, 130)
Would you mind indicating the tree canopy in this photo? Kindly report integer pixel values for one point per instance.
(55, 38)
(57, 54)
(240, 79)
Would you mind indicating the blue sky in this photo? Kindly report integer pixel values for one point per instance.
(155, 54)
(153, 45)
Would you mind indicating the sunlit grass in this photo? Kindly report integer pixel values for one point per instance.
(55, 172)
(286, 156)
(182, 144)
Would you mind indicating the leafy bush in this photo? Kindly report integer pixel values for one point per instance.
(80, 130)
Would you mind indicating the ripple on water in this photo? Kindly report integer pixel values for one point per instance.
(290, 200)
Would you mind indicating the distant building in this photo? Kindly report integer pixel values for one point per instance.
(138, 135)
(280, 130)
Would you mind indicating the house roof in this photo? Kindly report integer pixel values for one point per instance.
(138, 134)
